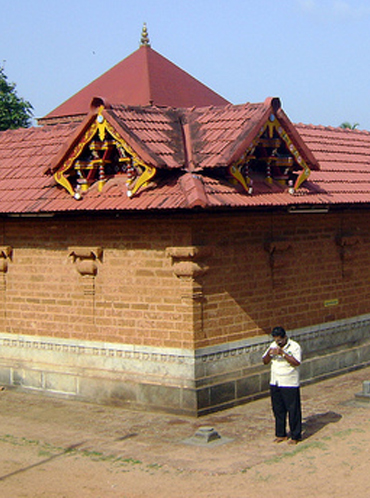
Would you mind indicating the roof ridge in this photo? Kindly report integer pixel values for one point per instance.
(187, 142)
(194, 190)
(148, 80)
(331, 128)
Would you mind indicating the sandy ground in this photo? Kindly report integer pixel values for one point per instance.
(61, 448)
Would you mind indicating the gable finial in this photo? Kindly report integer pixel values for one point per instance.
(145, 42)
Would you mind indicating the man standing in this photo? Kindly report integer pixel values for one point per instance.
(284, 354)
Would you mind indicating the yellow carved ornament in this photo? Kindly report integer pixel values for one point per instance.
(272, 125)
(143, 172)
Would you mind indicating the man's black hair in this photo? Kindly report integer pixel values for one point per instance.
(278, 332)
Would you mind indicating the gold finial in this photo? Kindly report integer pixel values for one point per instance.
(145, 42)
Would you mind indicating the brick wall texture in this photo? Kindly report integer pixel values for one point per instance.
(147, 287)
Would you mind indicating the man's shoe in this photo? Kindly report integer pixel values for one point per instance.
(293, 441)
(280, 439)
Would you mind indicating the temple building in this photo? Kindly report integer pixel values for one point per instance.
(152, 234)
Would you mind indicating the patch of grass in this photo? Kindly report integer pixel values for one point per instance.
(356, 450)
(262, 477)
(45, 453)
(347, 432)
(300, 448)
(310, 445)
(131, 461)
(154, 466)
(96, 456)
(16, 441)
(7, 438)
(91, 454)
(47, 450)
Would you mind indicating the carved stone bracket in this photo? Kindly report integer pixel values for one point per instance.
(348, 246)
(86, 259)
(5, 256)
(278, 250)
(187, 261)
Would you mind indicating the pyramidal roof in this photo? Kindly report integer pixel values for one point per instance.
(144, 78)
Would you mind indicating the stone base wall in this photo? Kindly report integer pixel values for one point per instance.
(169, 379)
(139, 377)
(228, 375)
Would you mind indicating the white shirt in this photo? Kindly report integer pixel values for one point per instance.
(283, 374)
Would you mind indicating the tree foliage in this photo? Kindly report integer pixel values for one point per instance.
(348, 126)
(15, 112)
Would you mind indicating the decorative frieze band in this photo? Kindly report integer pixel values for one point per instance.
(110, 350)
(248, 351)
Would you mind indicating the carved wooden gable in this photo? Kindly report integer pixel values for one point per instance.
(100, 154)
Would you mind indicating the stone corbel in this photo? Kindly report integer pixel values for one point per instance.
(86, 259)
(348, 246)
(5, 256)
(277, 251)
(349, 240)
(187, 261)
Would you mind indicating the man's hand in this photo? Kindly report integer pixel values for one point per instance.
(276, 351)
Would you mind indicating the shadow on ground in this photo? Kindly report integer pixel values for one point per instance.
(46, 460)
(315, 423)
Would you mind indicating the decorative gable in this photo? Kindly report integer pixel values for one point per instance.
(186, 150)
(271, 156)
(100, 154)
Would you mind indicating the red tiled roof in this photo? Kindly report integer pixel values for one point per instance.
(344, 157)
(216, 131)
(156, 129)
(189, 147)
(222, 134)
(24, 157)
(143, 78)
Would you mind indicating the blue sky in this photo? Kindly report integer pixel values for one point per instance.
(313, 54)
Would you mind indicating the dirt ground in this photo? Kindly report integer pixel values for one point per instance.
(56, 448)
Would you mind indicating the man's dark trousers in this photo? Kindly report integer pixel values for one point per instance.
(287, 400)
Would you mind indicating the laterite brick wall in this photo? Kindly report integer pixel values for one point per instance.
(126, 294)
(288, 269)
(257, 270)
